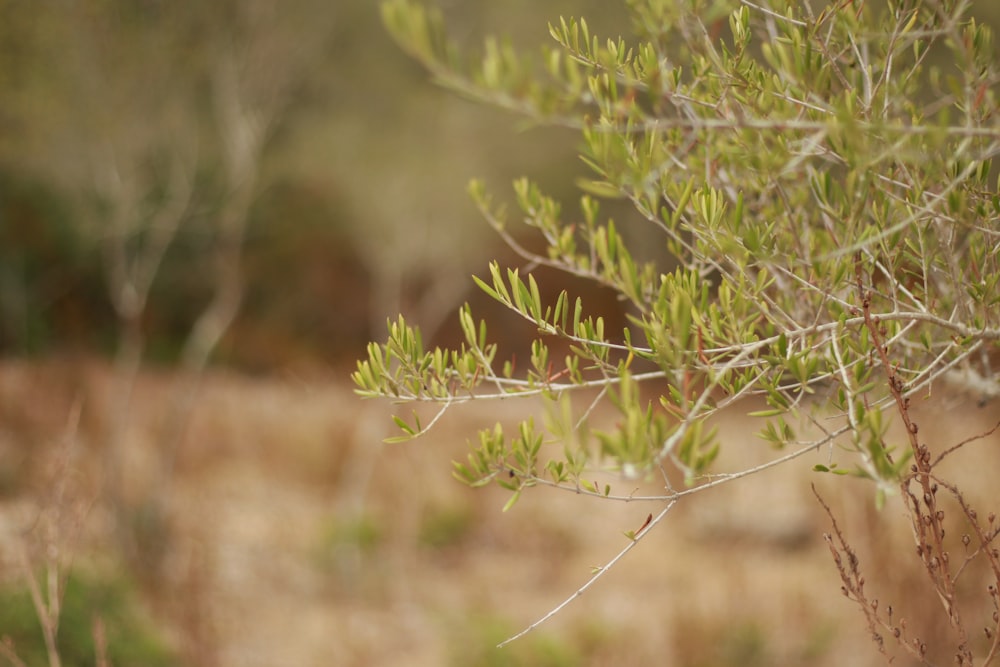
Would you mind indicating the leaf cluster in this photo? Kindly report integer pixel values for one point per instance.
(794, 164)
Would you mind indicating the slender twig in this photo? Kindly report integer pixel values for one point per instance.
(7, 650)
(600, 572)
(46, 607)
(955, 447)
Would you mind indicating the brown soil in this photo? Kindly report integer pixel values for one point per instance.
(295, 538)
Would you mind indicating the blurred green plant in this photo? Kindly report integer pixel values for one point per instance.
(130, 642)
(829, 199)
(345, 544)
(473, 646)
(362, 533)
(739, 644)
(443, 527)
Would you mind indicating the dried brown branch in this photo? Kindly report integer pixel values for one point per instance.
(919, 489)
(853, 587)
(973, 438)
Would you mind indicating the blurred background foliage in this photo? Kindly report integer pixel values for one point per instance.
(358, 209)
(130, 638)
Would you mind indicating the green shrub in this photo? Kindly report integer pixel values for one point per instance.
(131, 642)
(822, 179)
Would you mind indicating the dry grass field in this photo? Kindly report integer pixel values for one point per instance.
(296, 538)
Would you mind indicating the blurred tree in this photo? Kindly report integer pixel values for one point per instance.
(154, 117)
(350, 131)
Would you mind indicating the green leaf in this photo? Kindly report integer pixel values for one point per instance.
(403, 425)
(767, 413)
(513, 499)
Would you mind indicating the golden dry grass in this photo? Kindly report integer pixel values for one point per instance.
(296, 538)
